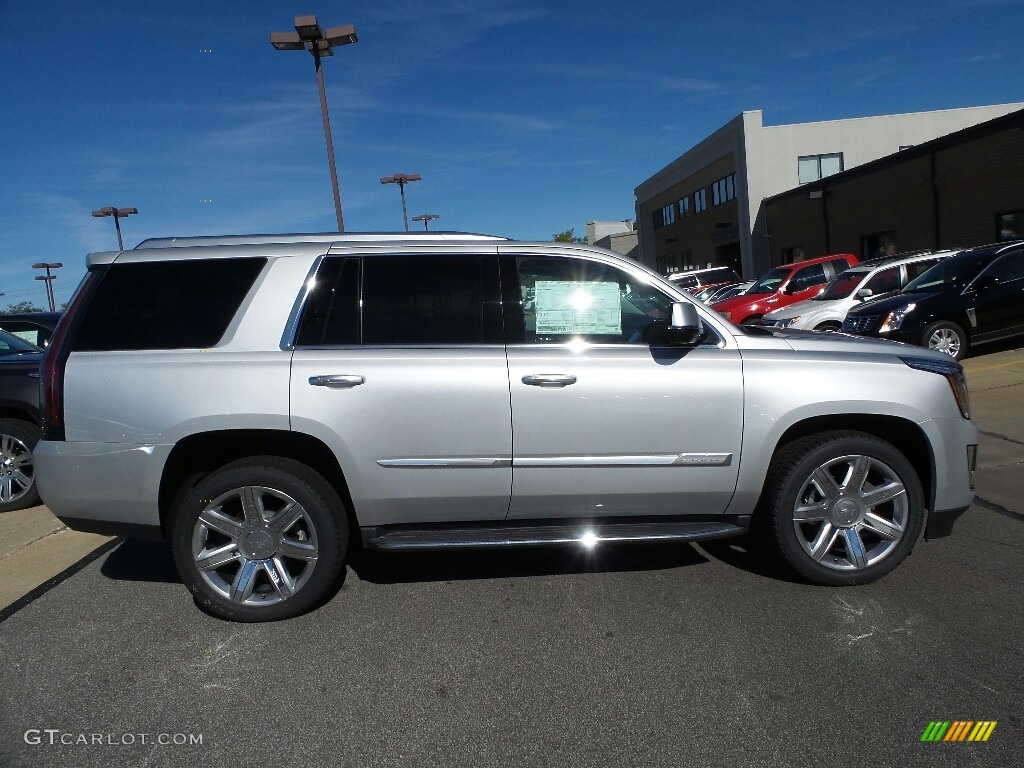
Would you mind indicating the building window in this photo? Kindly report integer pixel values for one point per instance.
(684, 207)
(723, 190)
(793, 254)
(813, 167)
(1010, 226)
(877, 246)
(665, 216)
(700, 200)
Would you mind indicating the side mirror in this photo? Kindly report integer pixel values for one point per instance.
(686, 328)
(865, 293)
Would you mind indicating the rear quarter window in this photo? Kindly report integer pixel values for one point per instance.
(165, 304)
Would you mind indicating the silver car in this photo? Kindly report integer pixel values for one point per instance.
(265, 403)
(870, 279)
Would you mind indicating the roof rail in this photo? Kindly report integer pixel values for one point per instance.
(315, 237)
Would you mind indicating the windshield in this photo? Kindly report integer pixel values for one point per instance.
(956, 271)
(12, 345)
(771, 281)
(841, 287)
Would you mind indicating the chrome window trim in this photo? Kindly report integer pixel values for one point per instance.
(291, 328)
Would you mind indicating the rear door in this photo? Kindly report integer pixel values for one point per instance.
(806, 282)
(399, 367)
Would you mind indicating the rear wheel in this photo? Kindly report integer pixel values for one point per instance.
(843, 508)
(17, 472)
(261, 539)
(945, 336)
(831, 327)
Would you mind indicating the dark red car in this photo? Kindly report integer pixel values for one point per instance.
(782, 286)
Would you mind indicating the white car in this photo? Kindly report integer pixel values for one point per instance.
(869, 279)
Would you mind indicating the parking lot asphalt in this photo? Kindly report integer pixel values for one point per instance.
(636, 655)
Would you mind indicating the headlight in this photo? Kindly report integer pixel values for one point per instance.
(786, 322)
(954, 374)
(728, 315)
(895, 318)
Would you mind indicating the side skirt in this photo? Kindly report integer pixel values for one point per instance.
(542, 533)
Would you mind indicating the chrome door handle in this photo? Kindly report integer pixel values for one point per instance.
(33, 374)
(337, 382)
(549, 380)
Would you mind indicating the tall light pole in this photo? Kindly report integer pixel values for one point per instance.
(48, 278)
(401, 179)
(308, 35)
(118, 214)
(425, 217)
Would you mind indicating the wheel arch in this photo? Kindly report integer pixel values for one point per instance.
(197, 455)
(906, 436)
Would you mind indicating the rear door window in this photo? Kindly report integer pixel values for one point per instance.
(404, 300)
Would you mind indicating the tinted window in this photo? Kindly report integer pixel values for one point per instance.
(165, 304)
(807, 277)
(884, 281)
(1009, 267)
(331, 313)
(421, 299)
(953, 272)
(565, 299)
(30, 332)
(12, 345)
(770, 282)
(919, 268)
(840, 265)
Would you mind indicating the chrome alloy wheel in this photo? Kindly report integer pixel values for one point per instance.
(255, 546)
(16, 471)
(851, 513)
(945, 340)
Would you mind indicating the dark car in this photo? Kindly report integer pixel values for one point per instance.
(974, 297)
(34, 327)
(19, 421)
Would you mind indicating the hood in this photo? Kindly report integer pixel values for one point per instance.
(815, 341)
(800, 308)
(889, 302)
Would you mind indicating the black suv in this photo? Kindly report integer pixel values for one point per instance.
(19, 421)
(974, 297)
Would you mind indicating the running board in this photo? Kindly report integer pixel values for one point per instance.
(588, 534)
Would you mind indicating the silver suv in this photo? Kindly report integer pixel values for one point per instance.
(268, 402)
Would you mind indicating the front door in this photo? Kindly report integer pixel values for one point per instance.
(607, 419)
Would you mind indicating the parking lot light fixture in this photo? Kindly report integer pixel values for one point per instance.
(48, 279)
(401, 179)
(118, 214)
(308, 35)
(425, 218)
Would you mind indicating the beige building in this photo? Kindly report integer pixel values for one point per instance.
(706, 207)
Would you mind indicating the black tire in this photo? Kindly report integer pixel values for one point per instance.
(826, 551)
(303, 559)
(752, 320)
(946, 336)
(829, 326)
(17, 468)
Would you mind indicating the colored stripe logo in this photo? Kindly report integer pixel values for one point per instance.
(958, 730)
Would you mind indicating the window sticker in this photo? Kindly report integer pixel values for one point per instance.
(576, 307)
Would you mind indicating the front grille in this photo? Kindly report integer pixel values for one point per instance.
(860, 323)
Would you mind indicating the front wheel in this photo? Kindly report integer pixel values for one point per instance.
(829, 327)
(945, 336)
(261, 539)
(752, 320)
(843, 508)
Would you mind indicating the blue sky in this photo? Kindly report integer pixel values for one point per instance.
(524, 118)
